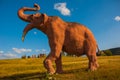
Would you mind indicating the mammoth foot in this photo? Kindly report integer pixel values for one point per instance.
(53, 72)
(93, 67)
(50, 73)
(59, 72)
(49, 67)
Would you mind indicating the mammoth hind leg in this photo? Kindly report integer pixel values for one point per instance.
(93, 65)
(90, 50)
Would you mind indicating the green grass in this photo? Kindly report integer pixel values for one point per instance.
(74, 69)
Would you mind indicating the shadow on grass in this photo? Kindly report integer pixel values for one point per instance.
(37, 76)
(30, 76)
(72, 71)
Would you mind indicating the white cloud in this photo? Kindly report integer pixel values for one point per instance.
(22, 50)
(8, 56)
(62, 8)
(41, 51)
(1, 52)
(35, 33)
(117, 18)
(37, 50)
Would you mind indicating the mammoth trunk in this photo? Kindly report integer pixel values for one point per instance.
(27, 17)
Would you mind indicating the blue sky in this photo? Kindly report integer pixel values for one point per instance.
(102, 17)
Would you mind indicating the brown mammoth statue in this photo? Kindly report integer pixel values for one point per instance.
(70, 37)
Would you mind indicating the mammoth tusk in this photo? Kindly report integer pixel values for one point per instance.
(27, 28)
(23, 36)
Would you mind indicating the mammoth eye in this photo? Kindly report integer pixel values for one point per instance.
(31, 17)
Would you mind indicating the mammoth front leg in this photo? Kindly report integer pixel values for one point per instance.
(48, 64)
(53, 56)
(58, 62)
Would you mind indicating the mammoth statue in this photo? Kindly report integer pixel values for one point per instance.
(70, 37)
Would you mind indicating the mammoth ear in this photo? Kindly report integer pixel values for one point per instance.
(45, 18)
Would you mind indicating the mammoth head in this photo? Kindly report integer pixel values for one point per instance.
(31, 17)
(36, 20)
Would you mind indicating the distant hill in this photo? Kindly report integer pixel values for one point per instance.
(115, 51)
(110, 52)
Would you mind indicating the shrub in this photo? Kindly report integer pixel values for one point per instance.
(28, 57)
(23, 57)
(102, 53)
(108, 52)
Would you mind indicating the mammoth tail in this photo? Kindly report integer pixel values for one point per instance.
(98, 52)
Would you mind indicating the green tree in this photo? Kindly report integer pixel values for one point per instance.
(108, 52)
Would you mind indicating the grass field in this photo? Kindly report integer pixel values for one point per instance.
(74, 69)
